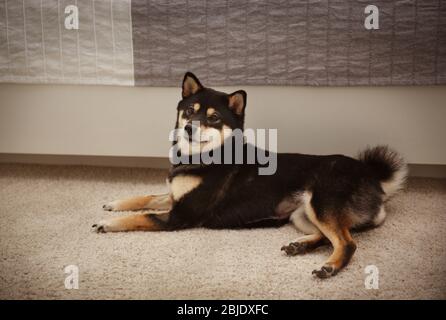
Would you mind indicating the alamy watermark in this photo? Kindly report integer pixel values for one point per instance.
(72, 279)
(228, 146)
(372, 279)
(371, 20)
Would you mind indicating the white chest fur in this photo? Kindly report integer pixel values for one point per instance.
(182, 185)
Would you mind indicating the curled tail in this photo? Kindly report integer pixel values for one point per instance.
(387, 166)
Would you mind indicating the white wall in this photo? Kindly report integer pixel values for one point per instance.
(135, 122)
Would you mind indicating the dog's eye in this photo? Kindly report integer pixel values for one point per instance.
(214, 118)
(189, 111)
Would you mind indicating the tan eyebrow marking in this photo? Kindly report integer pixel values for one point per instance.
(196, 107)
(210, 111)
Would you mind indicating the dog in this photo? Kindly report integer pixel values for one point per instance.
(325, 197)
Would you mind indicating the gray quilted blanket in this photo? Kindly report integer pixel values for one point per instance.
(225, 42)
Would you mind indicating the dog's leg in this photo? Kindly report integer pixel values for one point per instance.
(155, 202)
(305, 244)
(343, 246)
(343, 249)
(337, 231)
(134, 222)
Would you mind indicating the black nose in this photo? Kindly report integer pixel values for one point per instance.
(190, 129)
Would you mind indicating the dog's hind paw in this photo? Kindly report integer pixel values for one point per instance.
(295, 248)
(326, 271)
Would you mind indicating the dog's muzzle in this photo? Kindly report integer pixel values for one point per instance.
(190, 130)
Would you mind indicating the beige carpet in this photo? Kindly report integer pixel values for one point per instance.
(46, 213)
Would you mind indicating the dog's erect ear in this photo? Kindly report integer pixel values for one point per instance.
(191, 85)
(237, 102)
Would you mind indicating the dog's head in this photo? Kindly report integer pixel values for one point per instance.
(206, 117)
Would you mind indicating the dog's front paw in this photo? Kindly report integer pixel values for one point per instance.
(111, 206)
(326, 271)
(100, 227)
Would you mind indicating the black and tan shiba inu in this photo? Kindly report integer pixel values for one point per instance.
(325, 197)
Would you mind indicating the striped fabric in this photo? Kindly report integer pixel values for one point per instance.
(225, 42)
(35, 46)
